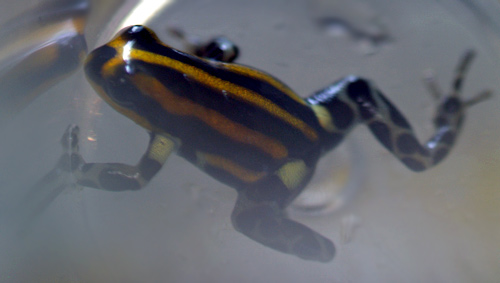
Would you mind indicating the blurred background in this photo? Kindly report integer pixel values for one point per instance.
(389, 224)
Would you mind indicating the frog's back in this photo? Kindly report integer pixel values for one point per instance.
(220, 113)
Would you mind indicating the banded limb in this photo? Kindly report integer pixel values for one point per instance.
(71, 169)
(353, 100)
(119, 176)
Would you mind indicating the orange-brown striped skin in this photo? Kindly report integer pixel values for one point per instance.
(184, 107)
(231, 167)
(208, 106)
(249, 130)
(239, 92)
(242, 70)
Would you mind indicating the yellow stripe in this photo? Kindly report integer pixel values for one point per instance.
(178, 105)
(231, 167)
(252, 73)
(108, 69)
(230, 88)
(210, 81)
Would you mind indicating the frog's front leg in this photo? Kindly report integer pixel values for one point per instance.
(218, 48)
(72, 168)
(259, 214)
(119, 176)
(46, 190)
(342, 105)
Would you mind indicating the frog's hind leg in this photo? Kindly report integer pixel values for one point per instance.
(266, 223)
(361, 101)
(259, 214)
(448, 122)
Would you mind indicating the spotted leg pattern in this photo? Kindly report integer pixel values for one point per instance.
(354, 100)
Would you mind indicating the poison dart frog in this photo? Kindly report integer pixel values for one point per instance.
(247, 129)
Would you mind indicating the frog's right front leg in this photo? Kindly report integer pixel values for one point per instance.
(71, 167)
(119, 176)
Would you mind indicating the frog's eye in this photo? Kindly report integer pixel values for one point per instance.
(139, 32)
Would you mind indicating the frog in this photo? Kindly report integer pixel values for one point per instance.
(247, 129)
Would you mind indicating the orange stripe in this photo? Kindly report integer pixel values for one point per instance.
(231, 167)
(181, 106)
(237, 91)
(108, 69)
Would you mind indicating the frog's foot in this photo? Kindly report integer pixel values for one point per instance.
(454, 103)
(71, 159)
(69, 140)
(266, 224)
(46, 190)
(451, 108)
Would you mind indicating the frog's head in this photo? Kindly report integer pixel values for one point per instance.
(114, 75)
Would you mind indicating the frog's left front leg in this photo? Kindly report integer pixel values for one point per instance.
(119, 176)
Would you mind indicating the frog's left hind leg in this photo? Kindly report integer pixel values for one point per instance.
(266, 223)
(259, 214)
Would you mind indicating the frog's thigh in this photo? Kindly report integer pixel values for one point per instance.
(294, 173)
(262, 218)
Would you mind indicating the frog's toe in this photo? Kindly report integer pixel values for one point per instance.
(480, 97)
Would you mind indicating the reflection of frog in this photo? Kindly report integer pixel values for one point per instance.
(247, 129)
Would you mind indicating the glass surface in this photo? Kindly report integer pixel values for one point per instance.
(389, 224)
